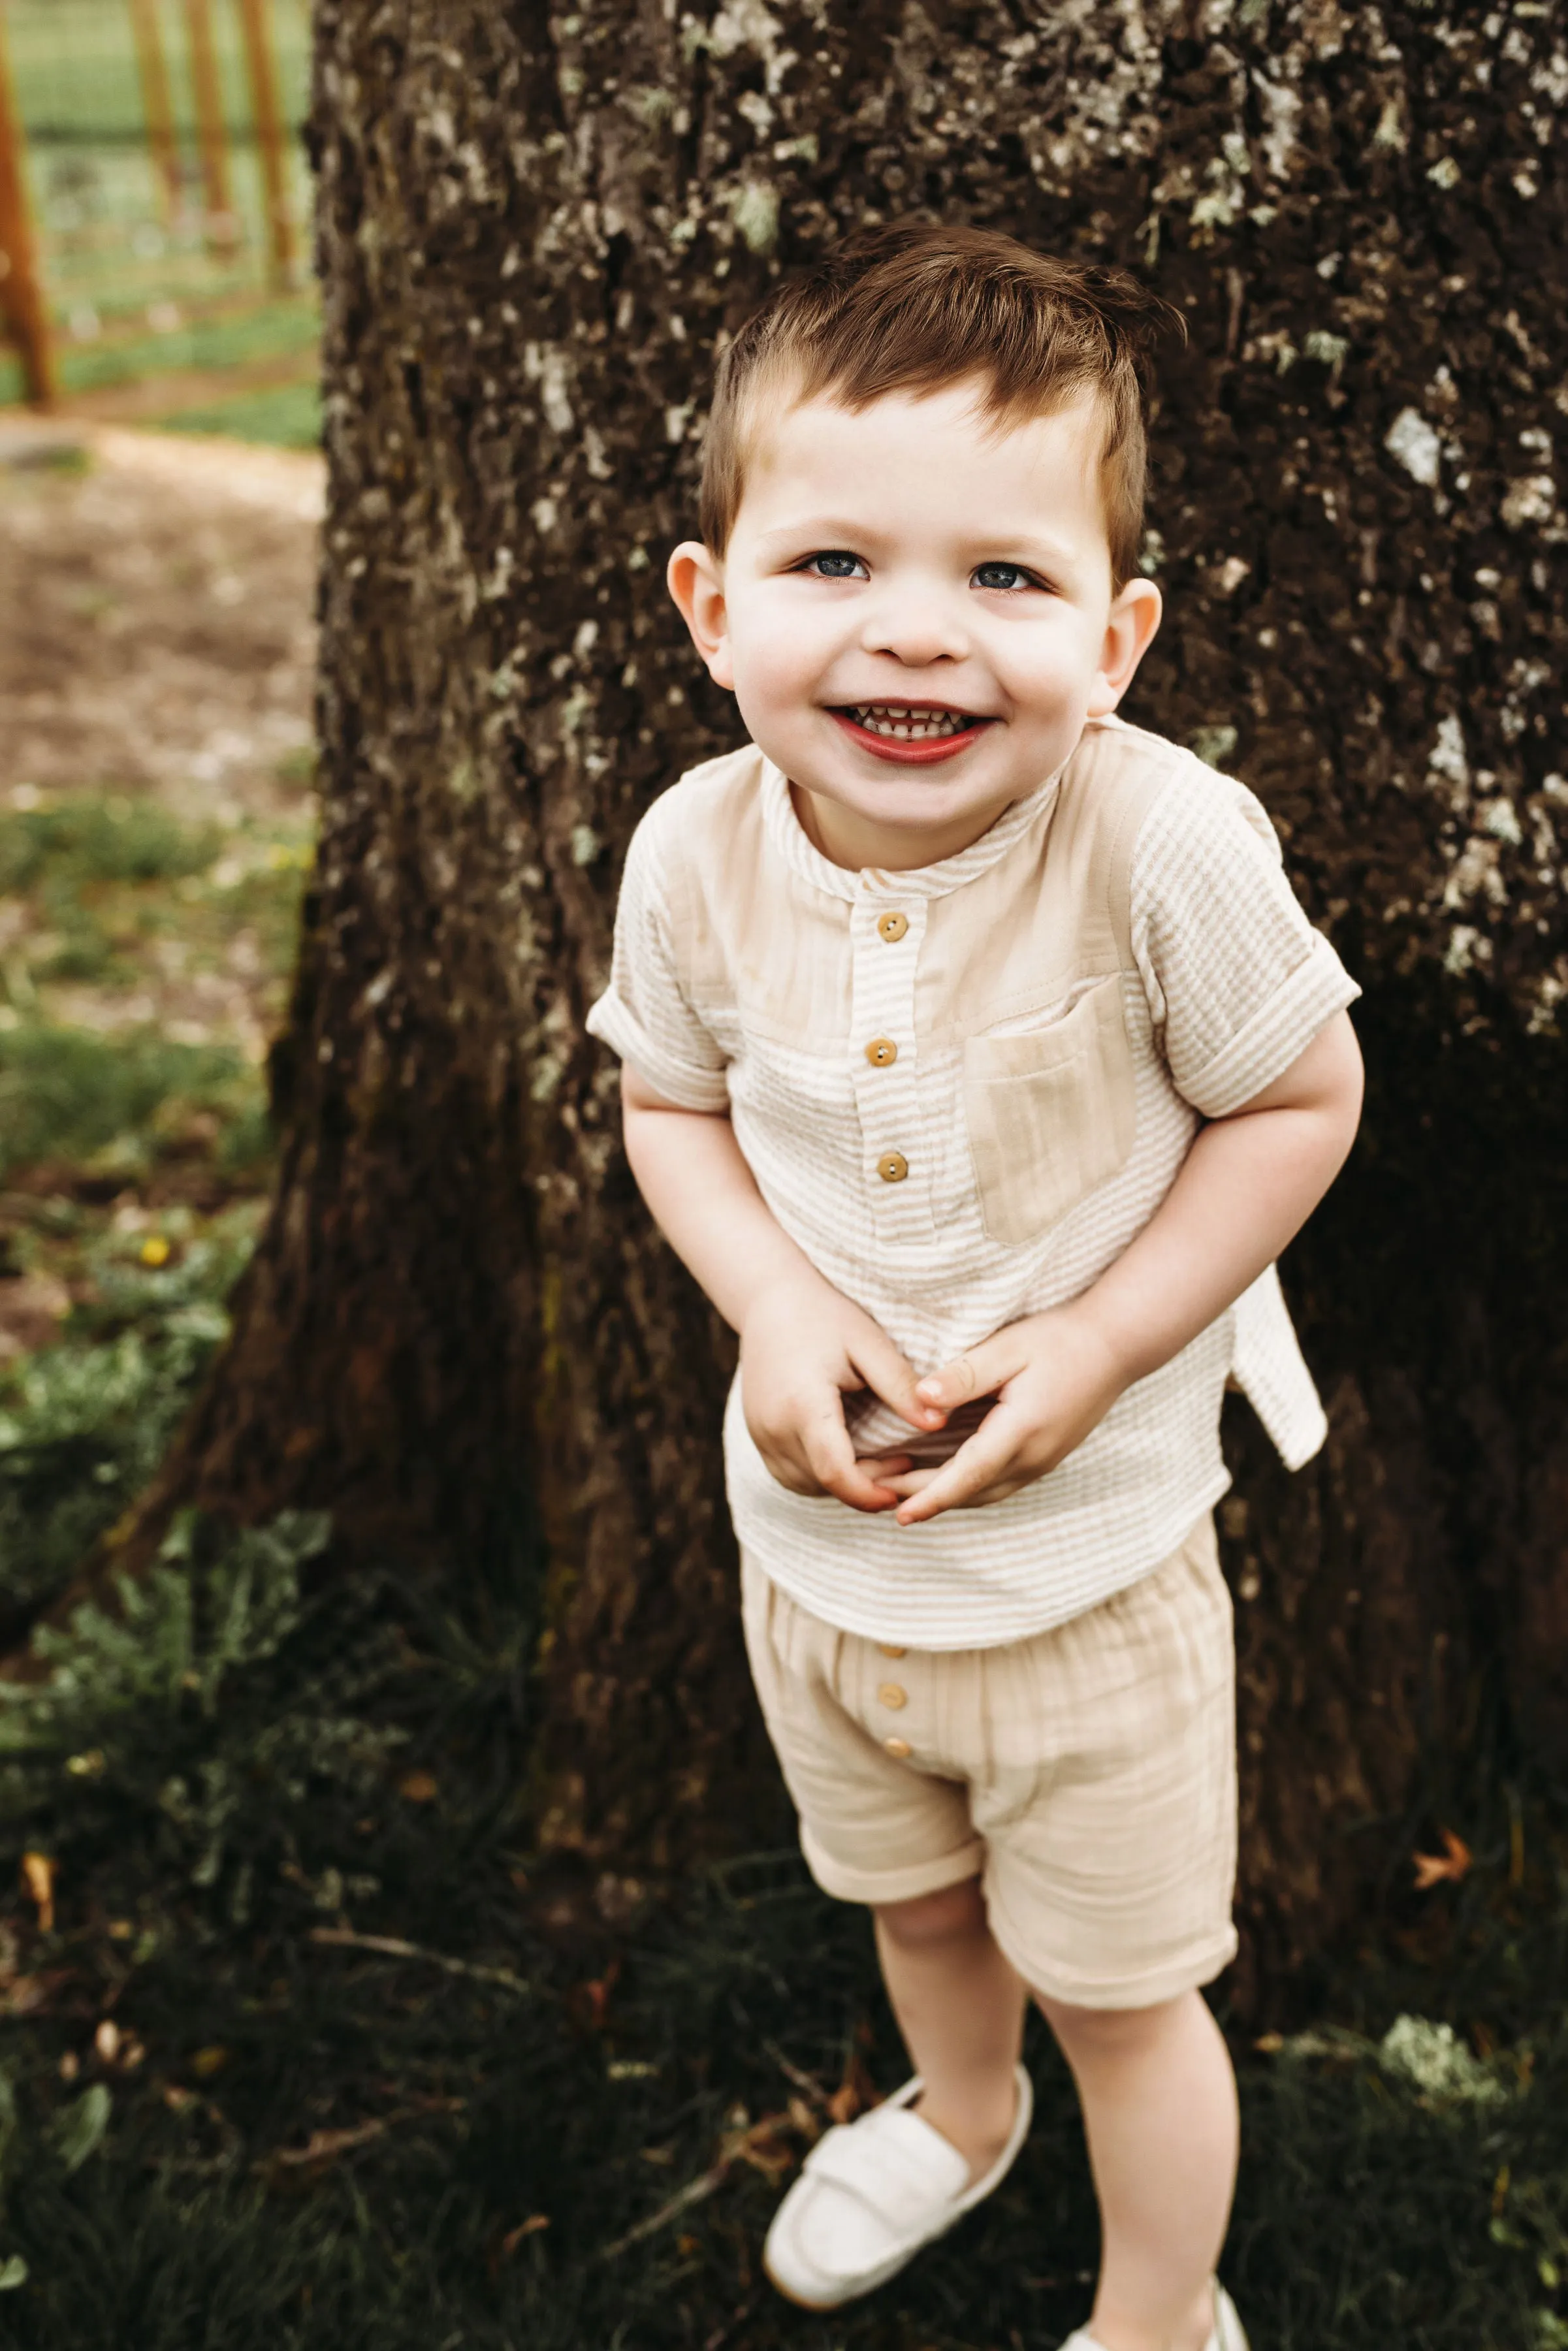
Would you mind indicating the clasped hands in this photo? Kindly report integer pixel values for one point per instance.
(804, 1347)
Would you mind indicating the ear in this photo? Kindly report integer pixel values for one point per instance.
(695, 579)
(1134, 617)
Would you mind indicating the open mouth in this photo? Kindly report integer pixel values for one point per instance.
(910, 730)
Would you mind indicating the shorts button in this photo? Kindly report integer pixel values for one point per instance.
(892, 1649)
(892, 1167)
(898, 1748)
(881, 1053)
(892, 927)
(893, 1696)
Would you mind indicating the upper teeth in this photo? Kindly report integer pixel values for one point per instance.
(898, 719)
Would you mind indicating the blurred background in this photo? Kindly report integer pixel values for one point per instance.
(162, 166)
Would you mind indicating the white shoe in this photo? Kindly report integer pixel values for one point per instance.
(871, 2193)
(1228, 2335)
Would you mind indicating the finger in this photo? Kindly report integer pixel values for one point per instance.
(831, 1460)
(905, 1482)
(978, 1465)
(980, 1370)
(890, 1376)
(884, 1466)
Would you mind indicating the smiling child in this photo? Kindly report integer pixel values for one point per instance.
(979, 1062)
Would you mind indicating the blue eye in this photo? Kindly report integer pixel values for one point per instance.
(1006, 576)
(836, 565)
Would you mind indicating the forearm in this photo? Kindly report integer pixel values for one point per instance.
(1247, 1186)
(704, 1200)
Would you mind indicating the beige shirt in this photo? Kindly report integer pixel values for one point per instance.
(963, 1091)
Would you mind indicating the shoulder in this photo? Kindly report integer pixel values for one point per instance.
(707, 810)
(1175, 801)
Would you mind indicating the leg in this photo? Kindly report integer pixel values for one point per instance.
(961, 2008)
(1159, 2110)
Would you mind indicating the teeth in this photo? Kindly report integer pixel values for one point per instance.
(904, 725)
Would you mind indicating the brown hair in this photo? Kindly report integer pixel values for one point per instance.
(916, 307)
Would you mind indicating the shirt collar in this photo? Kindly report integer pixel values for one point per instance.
(788, 836)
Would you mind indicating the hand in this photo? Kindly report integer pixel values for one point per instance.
(1055, 1376)
(803, 1347)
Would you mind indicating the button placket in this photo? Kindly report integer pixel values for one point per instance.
(891, 1709)
(886, 935)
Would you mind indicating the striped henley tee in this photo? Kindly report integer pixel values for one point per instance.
(963, 1091)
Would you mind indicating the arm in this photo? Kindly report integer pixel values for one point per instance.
(1249, 1184)
(803, 1346)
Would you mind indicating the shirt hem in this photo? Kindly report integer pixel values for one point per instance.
(1000, 1626)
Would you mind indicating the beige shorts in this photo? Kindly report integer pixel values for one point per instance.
(1086, 1775)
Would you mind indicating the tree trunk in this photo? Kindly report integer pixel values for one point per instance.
(532, 228)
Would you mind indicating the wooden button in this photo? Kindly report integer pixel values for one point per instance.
(881, 1053)
(892, 927)
(892, 1167)
(892, 1649)
(898, 1748)
(892, 1696)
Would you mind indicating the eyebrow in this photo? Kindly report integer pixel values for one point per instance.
(833, 530)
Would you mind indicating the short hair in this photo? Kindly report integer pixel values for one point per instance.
(915, 306)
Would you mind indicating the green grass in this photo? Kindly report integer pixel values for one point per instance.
(286, 416)
(73, 843)
(283, 330)
(74, 63)
(110, 1100)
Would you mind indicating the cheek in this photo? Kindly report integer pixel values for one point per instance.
(1047, 667)
(778, 655)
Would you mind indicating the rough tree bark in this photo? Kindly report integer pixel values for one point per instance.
(533, 225)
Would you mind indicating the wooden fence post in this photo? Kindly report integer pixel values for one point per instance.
(21, 297)
(271, 145)
(157, 105)
(222, 220)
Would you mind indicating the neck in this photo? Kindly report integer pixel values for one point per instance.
(845, 838)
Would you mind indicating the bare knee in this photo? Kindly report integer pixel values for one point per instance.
(1089, 2034)
(951, 1914)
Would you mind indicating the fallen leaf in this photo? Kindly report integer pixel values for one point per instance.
(1448, 1866)
(38, 1879)
(418, 1787)
(209, 2061)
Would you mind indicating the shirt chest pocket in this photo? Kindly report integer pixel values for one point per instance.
(1050, 1115)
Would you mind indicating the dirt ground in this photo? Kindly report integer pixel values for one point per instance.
(155, 619)
(156, 816)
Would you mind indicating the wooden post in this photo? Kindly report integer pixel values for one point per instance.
(255, 20)
(222, 220)
(21, 296)
(157, 105)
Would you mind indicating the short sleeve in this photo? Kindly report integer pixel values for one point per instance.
(1238, 981)
(645, 1014)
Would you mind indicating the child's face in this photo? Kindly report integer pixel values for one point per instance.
(915, 614)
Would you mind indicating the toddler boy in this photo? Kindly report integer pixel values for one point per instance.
(979, 1062)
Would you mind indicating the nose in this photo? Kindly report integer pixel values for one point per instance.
(916, 626)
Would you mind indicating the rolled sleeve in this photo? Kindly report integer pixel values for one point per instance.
(645, 1015)
(1238, 981)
